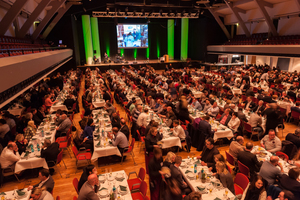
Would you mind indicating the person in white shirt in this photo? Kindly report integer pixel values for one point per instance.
(142, 119)
(165, 85)
(234, 122)
(41, 194)
(9, 155)
(214, 110)
(178, 130)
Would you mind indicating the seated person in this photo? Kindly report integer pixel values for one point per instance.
(151, 139)
(249, 104)
(69, 102)
(90, 169)
(271, 142)
(49, 152)
(9, 155)
(225, 118)
(178, 130)
(83, 142)
(21, 143)
(87, 191)
(115, 120)
(119, 140)
(236, 146)
(46, 181)
(195, 104)
(177, 175)
(224, 176)
(109, 108)
(249, 159)
(234, 122)
(214, 110)
(170, 159)
(294, 137)
(269, 170)
(207, 155)
(40, 194)
(64, 126)
(256, 189)
(290, 182)
(89, 129)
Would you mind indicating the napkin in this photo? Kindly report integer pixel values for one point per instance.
(187, 171)
(200, 188)
(33, 138)
(215, 183)
(121, 179)
(123, 188)
(26, 153)
(198, 162)
(103, 189)
(20, 192)
(2, 193)
(98, 144)
(98, 136)
(110, 142)
(217, 198)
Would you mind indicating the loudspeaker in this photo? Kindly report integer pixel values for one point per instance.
(95, 51)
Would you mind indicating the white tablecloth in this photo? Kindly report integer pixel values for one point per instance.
(13, 195)
(236, 90)
(104, 149)
(194, 183)
(58, 105)
(110, 181)
(16, 110)
(222, 131)
(99, 103)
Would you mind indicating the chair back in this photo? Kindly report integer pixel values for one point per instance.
(241, 180)
(139, 135)
(142, 173)
(75, 151)
(243, 169)
(143, 188)
(295, 115)
(229, 158)
(59, 157)
(69, 140)
(247, 127)
(74, 198)
(229, 169)
(282, 155)
(75, 184)
(132, 143)
(57, 198)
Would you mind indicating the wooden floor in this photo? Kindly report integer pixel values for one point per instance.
(64, 187)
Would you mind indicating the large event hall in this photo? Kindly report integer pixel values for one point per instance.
(149, 99)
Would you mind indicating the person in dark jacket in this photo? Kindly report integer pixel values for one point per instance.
(49, 152)
(151, 139)
(294, 137)
(208, 153)
(291, 182)
(90, 169)
(89, 129)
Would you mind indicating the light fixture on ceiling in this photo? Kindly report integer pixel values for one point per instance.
(107, 11)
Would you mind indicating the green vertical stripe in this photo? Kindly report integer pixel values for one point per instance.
(184, 38)
(171, 38)
(87, 37)
(148, 52)
(95, 37)
(134, 53)
(122, 52)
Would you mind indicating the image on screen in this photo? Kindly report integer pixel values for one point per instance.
(132, 35)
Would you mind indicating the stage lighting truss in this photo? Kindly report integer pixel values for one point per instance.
(145, 15)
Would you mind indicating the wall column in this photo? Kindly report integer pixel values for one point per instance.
(87, 38)
(95, 37)
(171, 38)
(184, 38)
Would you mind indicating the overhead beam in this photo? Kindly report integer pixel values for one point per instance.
(238, 17)
(265, 14)
(34, 15)
(219, 21)
(16, 25)
(11, 15)
(267, 4)
(55, 6)
(240, 10)
(59, 15)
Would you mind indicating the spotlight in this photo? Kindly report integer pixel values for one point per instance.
(160, 12)
(126, 11)
(202, 12)
(143, 12)
(119, 12)
(134, 13)
(170, 12)
(150, 13)
(107, 11)
(182, 13)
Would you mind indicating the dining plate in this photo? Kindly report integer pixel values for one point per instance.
(122, 192)
(191, 175)
(119, 176)
(103, 193)
(102, 178)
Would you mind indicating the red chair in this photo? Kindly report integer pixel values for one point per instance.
(295, 115)
(75, 184)
(141, 139)
(129, 151)
(58, 160)
(81, 156)
(240, 183)
(138, 180)
(282, 155)
(74, 198)
(57, 198)
(65, 144)
(229, 169)
(230, 158)
(243, 169)
(142, 191)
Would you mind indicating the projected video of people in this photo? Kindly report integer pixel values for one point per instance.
(132, 35)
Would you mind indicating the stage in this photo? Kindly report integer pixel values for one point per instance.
(156, 64)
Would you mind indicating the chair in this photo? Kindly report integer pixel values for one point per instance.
(229, 169)
(282, 155)
(240, 183)
(138, 180)
(57, 198)
(142, 191)
(75, 184)
(295, 115)
(74, 198)
(65, 144)
(58, 160)
(129, 151)
(81, 156)
(248, 128)
(8, 172)
(141, 139)
(243, 169)
(230, 158)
